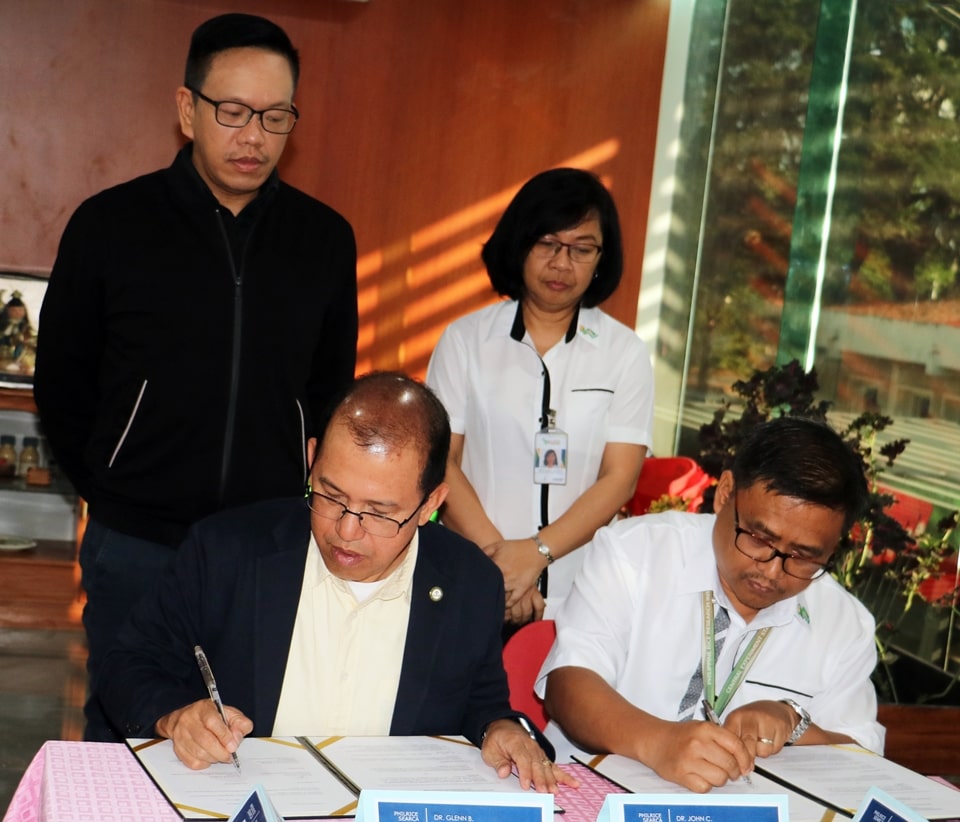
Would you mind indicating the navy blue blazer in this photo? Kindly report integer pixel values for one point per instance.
(234, 589)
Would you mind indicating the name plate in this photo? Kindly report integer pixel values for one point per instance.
(878, 806)
(664, 807)
(453, 806)
(256, 808)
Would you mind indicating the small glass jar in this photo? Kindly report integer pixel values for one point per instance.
(29, 455)
(8, 455)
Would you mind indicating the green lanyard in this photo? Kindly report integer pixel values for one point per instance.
(708, 659)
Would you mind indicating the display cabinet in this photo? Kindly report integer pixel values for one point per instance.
(39, 574)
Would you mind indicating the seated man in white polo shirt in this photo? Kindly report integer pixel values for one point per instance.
(695, 643)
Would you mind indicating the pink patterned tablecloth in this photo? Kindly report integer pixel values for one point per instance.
(87, 782)
(102, 782)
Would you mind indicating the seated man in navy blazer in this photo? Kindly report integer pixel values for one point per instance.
(346, 613)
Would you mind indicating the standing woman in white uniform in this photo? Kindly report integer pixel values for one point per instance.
(544, 371)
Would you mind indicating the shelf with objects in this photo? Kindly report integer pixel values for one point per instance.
(39, 575)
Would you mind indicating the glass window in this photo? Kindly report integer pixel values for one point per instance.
(816, 216)
(878, 311)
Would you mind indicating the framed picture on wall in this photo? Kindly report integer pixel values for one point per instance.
(20, 299)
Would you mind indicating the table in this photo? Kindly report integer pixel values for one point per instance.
(102, 782)
(86, 782)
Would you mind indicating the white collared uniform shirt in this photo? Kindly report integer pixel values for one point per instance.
(634, 617)
(601, 385)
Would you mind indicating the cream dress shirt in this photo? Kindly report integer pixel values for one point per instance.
(346, 652)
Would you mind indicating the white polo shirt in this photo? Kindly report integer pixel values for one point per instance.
(634, 617)
(601, 385)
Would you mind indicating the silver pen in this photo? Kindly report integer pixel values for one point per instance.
(211, 684)
(712, 717)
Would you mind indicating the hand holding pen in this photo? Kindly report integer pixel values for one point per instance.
(211, 684)
(712, 717)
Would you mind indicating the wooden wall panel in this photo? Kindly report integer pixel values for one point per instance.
(420, 119)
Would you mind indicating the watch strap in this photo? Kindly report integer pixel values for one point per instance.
(804, 723)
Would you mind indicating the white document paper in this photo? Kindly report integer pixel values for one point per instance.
(415, 763)
(638, 778)
(841, 775)
(296, 782)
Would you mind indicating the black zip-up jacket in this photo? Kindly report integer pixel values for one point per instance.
(177, 375)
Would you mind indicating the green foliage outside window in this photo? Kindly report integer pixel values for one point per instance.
(895, 220)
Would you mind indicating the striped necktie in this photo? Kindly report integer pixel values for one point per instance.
(694, 694)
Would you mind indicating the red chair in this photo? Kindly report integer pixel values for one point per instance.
(523, 655)
(676, 476)
(914, 515)
(911, 512)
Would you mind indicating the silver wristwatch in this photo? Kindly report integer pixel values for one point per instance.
(802, 725)
(543, 549)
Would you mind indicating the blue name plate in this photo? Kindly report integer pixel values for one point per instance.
(256, 808)
(878, 806)
(453, 806)
(693, 808)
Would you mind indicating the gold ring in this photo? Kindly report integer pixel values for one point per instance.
(765, 739)
(545, 762)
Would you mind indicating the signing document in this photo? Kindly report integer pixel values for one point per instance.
(636, 777)
(841, 775)
(817, 779)
(298, 784)
(415, 763)
(307, 777)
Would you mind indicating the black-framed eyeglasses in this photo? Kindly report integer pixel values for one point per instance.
(760, 550)
(547, 249)
(232, 114)
(376, 525)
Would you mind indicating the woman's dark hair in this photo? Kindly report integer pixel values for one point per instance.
(233, 31)
(554, 200)
(803, 459)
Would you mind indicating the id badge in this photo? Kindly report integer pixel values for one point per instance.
(550, 457)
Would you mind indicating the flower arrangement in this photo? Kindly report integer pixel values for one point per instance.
(884, 562)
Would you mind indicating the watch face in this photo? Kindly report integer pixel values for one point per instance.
(544, 550)
(801, 711)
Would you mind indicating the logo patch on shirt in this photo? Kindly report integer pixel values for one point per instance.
(588, 332)
(803, 614)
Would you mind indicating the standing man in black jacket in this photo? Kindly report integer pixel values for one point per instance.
(196, 321)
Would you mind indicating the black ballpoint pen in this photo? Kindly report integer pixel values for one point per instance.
(211, 684)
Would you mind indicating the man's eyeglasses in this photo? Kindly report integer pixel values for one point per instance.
(579, 252)
(236, 115)
(759, 550)
(376, 525)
